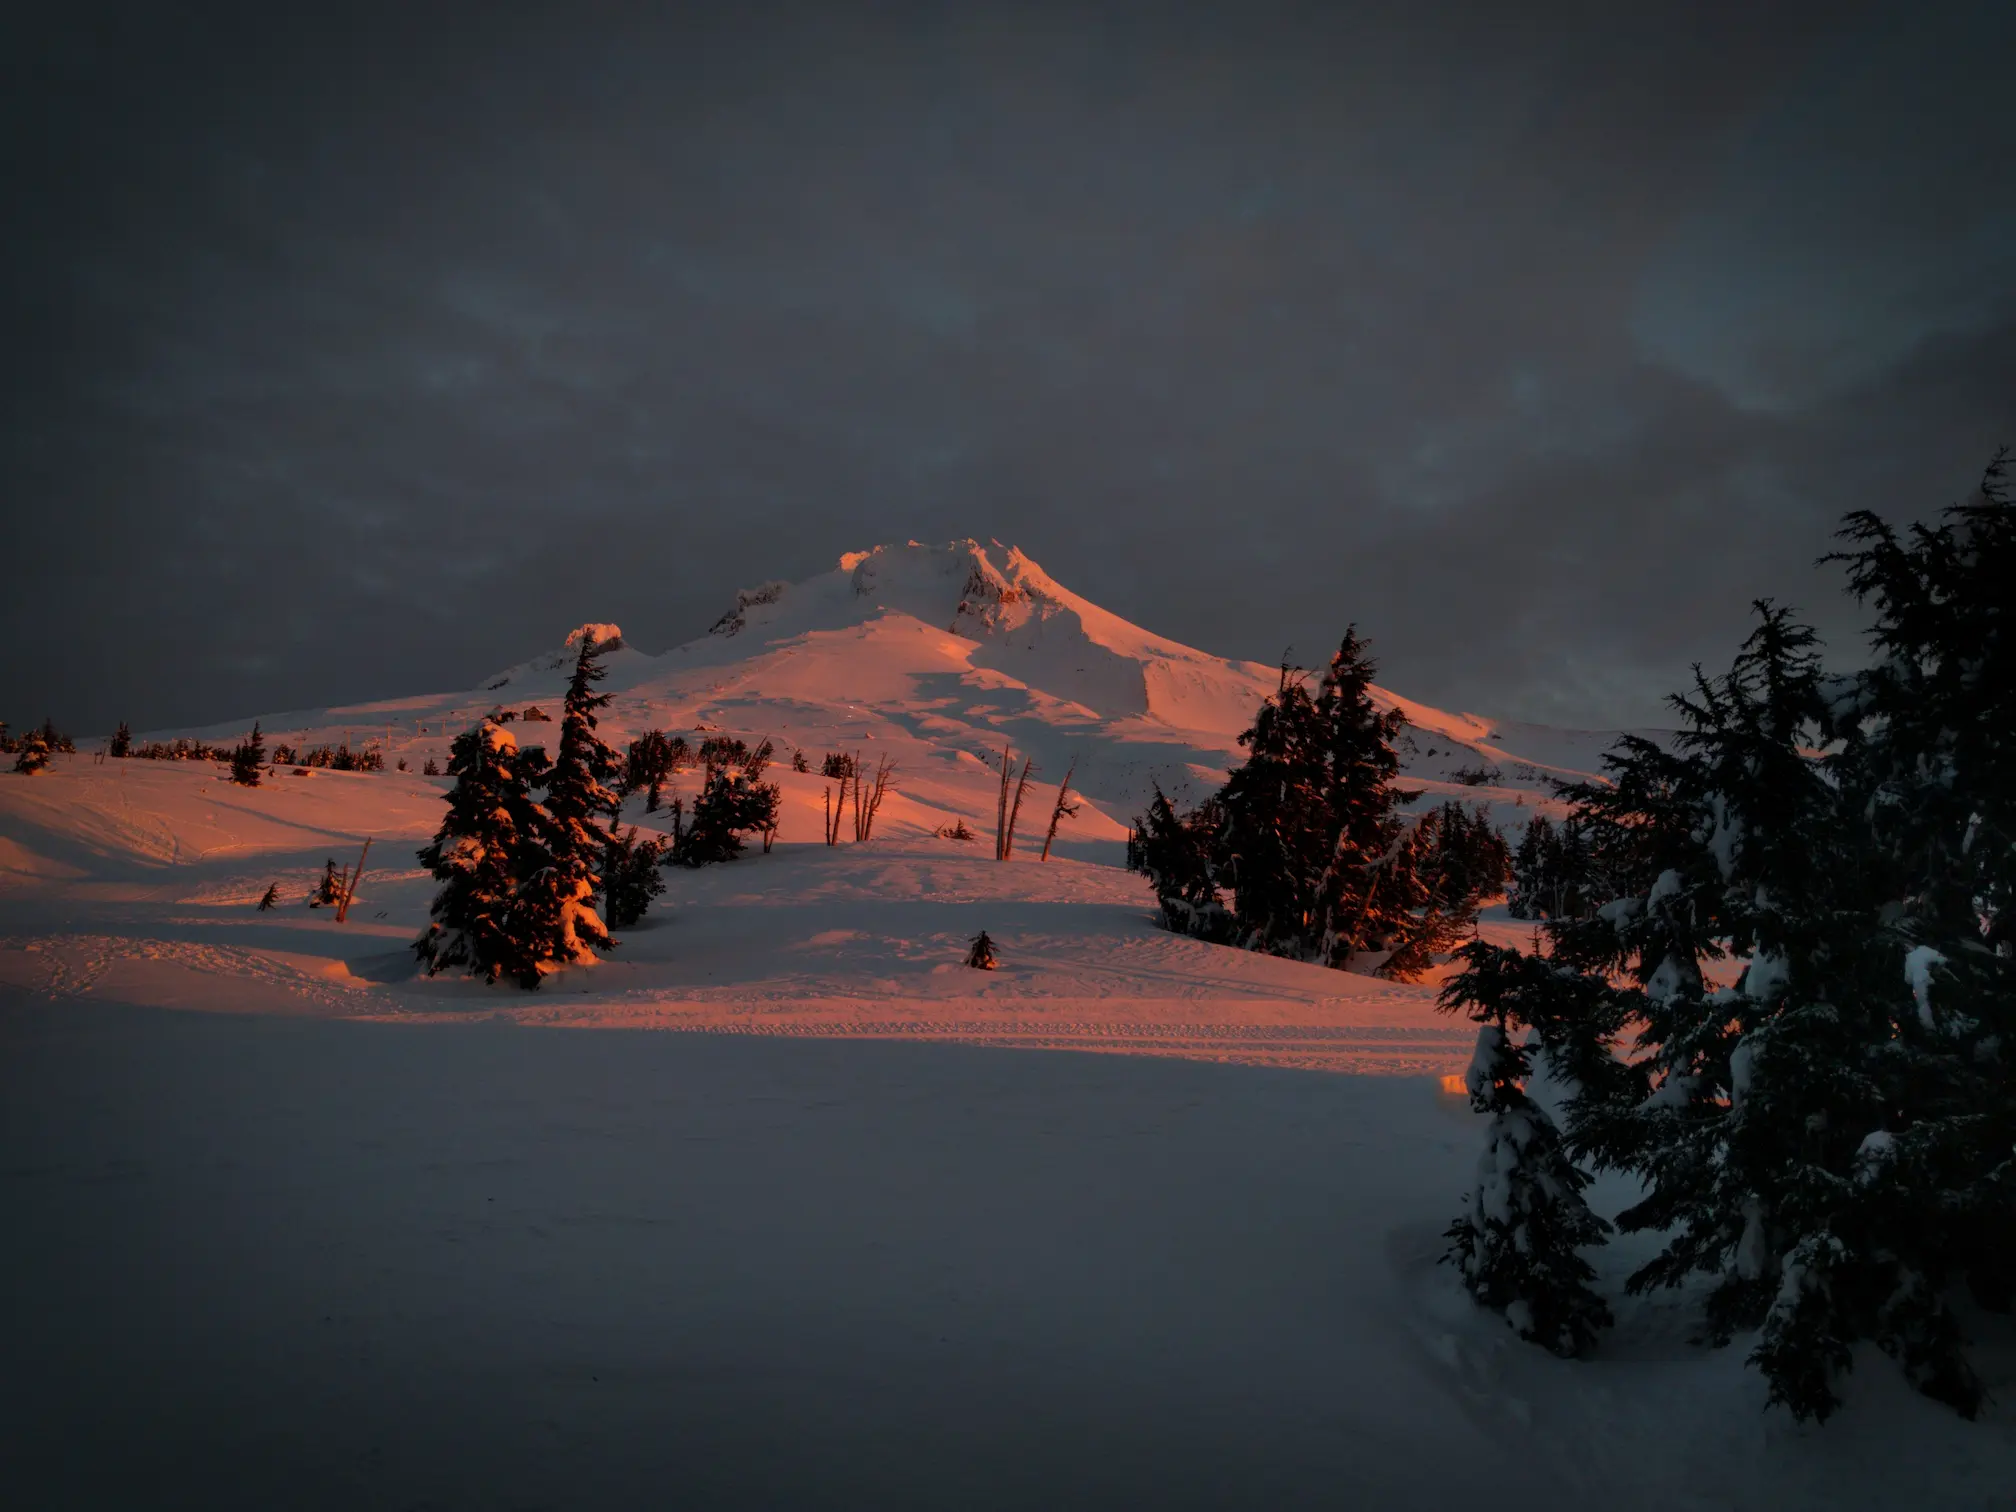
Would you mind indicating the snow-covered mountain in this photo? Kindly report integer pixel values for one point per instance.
(939, 654)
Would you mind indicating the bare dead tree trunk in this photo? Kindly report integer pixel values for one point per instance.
(1001, 804)
(1064, 809)
(1015, 813)
(836, 809)
(350, 888)
(885, 771)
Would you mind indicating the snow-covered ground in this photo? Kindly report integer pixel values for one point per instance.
(347, 1237)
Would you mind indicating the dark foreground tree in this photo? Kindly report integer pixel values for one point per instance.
(1525, 1218)
(122, 742)
(1829, 1140)
(981, 956)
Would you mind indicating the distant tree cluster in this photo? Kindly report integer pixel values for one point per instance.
(1828, 1141)
(1304, 852)
(651, 761)
(32, 751)
(337, 758)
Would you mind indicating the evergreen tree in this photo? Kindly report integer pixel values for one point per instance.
(1371, 894)
(1525, 1219)
(558, 896)
(1551, 870)
(631, 876)
(981, 957)
(248, 758)
(1174, 852)
(732, 802)
(269, 898)
(1275, 833)
(55, 739)
(1829, 1139)
(32, 754)
(491, 841)
(328, 889)
(1464, 859)
(122, 742)
(1307, 839)
(647, 765)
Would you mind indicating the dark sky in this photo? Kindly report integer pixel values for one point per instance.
(363, 354)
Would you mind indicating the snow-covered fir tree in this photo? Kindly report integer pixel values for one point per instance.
(1550, 871)
(491, 839)
(328, 889)
(1463, 858)
(1829, 1139)
(733, 801)
(249, 759)
(1372, 896)
(557, 898)
(121, 745)
(32, 754)
(1174, 852)
(1525, 1218)
(1273, 843)
(631, 875)
(1304, 852)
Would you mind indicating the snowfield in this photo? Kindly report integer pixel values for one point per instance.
(345, 1236)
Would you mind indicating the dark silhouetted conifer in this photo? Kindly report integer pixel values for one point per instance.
(491, 843)
(1525, 1220)
(248, 759)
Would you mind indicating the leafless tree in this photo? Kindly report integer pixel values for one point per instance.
(1064, 809)
(866, 809)
(1014, 809)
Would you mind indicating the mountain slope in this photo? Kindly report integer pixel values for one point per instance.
(938, 656)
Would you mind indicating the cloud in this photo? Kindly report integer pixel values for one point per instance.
(359, 352)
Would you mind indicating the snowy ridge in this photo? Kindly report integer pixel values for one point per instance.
(941, 654)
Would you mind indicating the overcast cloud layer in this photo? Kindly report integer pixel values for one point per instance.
(363, 355)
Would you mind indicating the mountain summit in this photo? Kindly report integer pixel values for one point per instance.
(942, 653)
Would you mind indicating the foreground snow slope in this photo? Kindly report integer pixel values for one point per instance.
(311, 1264)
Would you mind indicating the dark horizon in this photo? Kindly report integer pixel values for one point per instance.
(358, 353)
